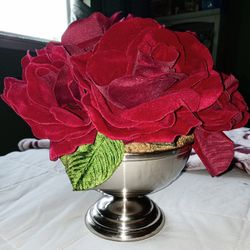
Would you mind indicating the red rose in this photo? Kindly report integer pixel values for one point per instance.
(146, 82)
(228, 112)
(48, 99)
(150, 84)
(49, 96)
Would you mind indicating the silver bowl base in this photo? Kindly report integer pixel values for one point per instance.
(124, 219)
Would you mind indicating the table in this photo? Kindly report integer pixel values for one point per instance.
(39, 210)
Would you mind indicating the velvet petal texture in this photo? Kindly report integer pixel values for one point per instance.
(214, 149)
(164, 129)
(120, 35)
(82, 35)
(49, 100)
(228, 112)
(134, 84)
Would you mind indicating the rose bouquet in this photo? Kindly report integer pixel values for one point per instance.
(111, 82)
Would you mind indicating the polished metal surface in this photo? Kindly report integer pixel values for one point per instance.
(125, 213)
(115, 218)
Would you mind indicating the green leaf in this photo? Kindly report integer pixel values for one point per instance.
(93, 164)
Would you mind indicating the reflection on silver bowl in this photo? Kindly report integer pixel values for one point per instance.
(124, 213)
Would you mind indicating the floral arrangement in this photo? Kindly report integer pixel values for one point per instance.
(113, 81)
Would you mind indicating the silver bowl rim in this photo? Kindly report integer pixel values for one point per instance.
(157, 155)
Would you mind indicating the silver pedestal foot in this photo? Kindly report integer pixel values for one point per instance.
(125, 219)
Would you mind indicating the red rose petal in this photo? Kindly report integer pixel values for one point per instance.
(209, 90)
(66, 117)
(238, 101)
(59, 131)
(41, 81)
(15, 94)
(110, 116)
(244, 120)
(159, 36)
(130, 91)
(185, 122)
(79, 63)
(25, 62)
(168, 103)
(214, 149)
(197, 56)
(43, 59)
(230, 82)
(150, 131)
(165, 53)
(84, 33)
(218, 120)
(58, 149)
(119, 36)
(105, 66)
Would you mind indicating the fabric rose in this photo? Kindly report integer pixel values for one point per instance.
(48, 99)
(147, 83)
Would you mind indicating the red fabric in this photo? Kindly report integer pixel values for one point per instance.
(141, 73)
(228, 112)
(215, 150)
(82, 35)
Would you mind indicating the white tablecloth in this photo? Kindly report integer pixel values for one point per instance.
(39, 210)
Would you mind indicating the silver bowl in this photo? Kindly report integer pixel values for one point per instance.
(124, 213)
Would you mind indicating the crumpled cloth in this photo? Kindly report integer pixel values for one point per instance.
(31, 143)
(240, 137)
